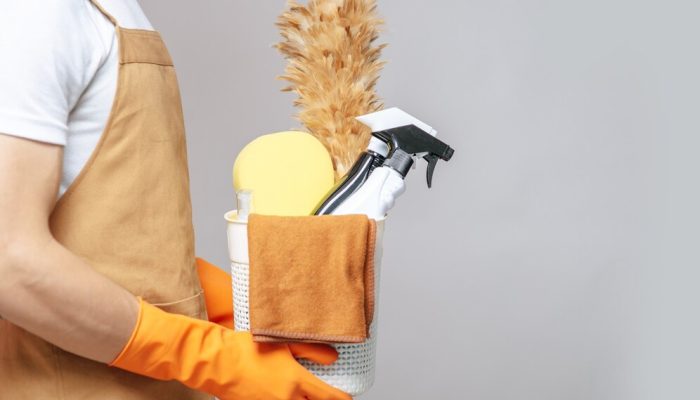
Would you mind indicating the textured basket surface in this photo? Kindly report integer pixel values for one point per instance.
(354, 371)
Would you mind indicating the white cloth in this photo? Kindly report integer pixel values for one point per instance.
(58, 72)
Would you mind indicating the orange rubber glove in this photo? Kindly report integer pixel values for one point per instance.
(219, 361)
(218, 293)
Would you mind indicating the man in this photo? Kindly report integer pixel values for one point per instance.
(99, 291)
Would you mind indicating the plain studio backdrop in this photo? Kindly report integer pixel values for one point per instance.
(556, 256)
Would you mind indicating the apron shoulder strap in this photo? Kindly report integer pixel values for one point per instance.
(103, 11)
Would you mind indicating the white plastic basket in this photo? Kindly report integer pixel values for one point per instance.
(354, 371)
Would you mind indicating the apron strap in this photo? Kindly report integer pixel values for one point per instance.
(103, 11)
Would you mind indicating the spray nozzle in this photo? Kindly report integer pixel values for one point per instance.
(407, 137)
(408, 141)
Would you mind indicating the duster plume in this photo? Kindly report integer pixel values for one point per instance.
(333, 66)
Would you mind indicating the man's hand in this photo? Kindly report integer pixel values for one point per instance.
(44, 288)
(230, 365)
(218, 293)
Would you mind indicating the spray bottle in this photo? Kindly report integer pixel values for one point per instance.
(373, 157)
(407, 138)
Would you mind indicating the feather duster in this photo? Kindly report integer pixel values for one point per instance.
(333, 66)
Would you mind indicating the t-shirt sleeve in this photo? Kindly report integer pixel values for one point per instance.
(45, 60)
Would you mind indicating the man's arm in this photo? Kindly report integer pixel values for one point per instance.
(44, 288)
(52, 293)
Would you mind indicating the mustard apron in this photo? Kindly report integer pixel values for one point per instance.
(129, 215)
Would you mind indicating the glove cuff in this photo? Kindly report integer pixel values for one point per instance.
(117, 360)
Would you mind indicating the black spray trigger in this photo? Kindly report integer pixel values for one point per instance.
(432, 160)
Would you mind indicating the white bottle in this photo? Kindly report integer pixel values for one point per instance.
(377, 196)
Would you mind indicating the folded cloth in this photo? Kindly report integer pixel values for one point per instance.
(311, 277)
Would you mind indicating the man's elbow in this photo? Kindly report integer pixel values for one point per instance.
(16, 255)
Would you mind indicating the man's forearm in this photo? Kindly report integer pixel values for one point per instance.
(44, 288)
(56, 295)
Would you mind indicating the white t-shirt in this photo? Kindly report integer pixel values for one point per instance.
(58, 72)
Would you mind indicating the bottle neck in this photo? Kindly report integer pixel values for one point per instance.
(400, 161)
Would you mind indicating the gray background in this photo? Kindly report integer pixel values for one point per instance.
(556, 255)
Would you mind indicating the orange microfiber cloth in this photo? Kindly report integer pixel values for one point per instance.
(311, 277)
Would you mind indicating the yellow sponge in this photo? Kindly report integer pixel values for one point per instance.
(288, 173)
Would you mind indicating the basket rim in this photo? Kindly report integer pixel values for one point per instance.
(230, 216)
